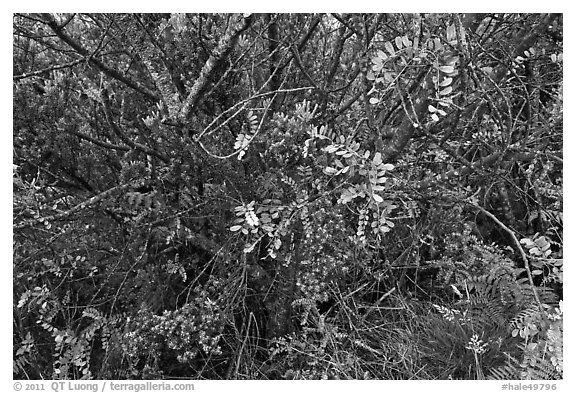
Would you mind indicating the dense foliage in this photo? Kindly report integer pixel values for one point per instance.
(272, 196)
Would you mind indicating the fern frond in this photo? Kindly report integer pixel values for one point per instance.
(530, 311)
(507, 372)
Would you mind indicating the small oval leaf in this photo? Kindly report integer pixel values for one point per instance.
(451, 33)
(406, 41)
(389, 48)
(381, 54)
(446, 91)
(437, 44)
(446, 69)
(445, 82)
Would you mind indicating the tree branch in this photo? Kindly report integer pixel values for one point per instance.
(344, 22)
(48, 69)
(96, 141)
(476, 166)
(120, 134)
(525, 40)
(224, 46)
(59, 31)
(405, 131)
(301, 67)
(81, 206)
(274, 58)
(337, 49)
(302, 42)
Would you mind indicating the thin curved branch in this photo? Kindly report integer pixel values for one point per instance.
(209, 130)
(197, 140)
